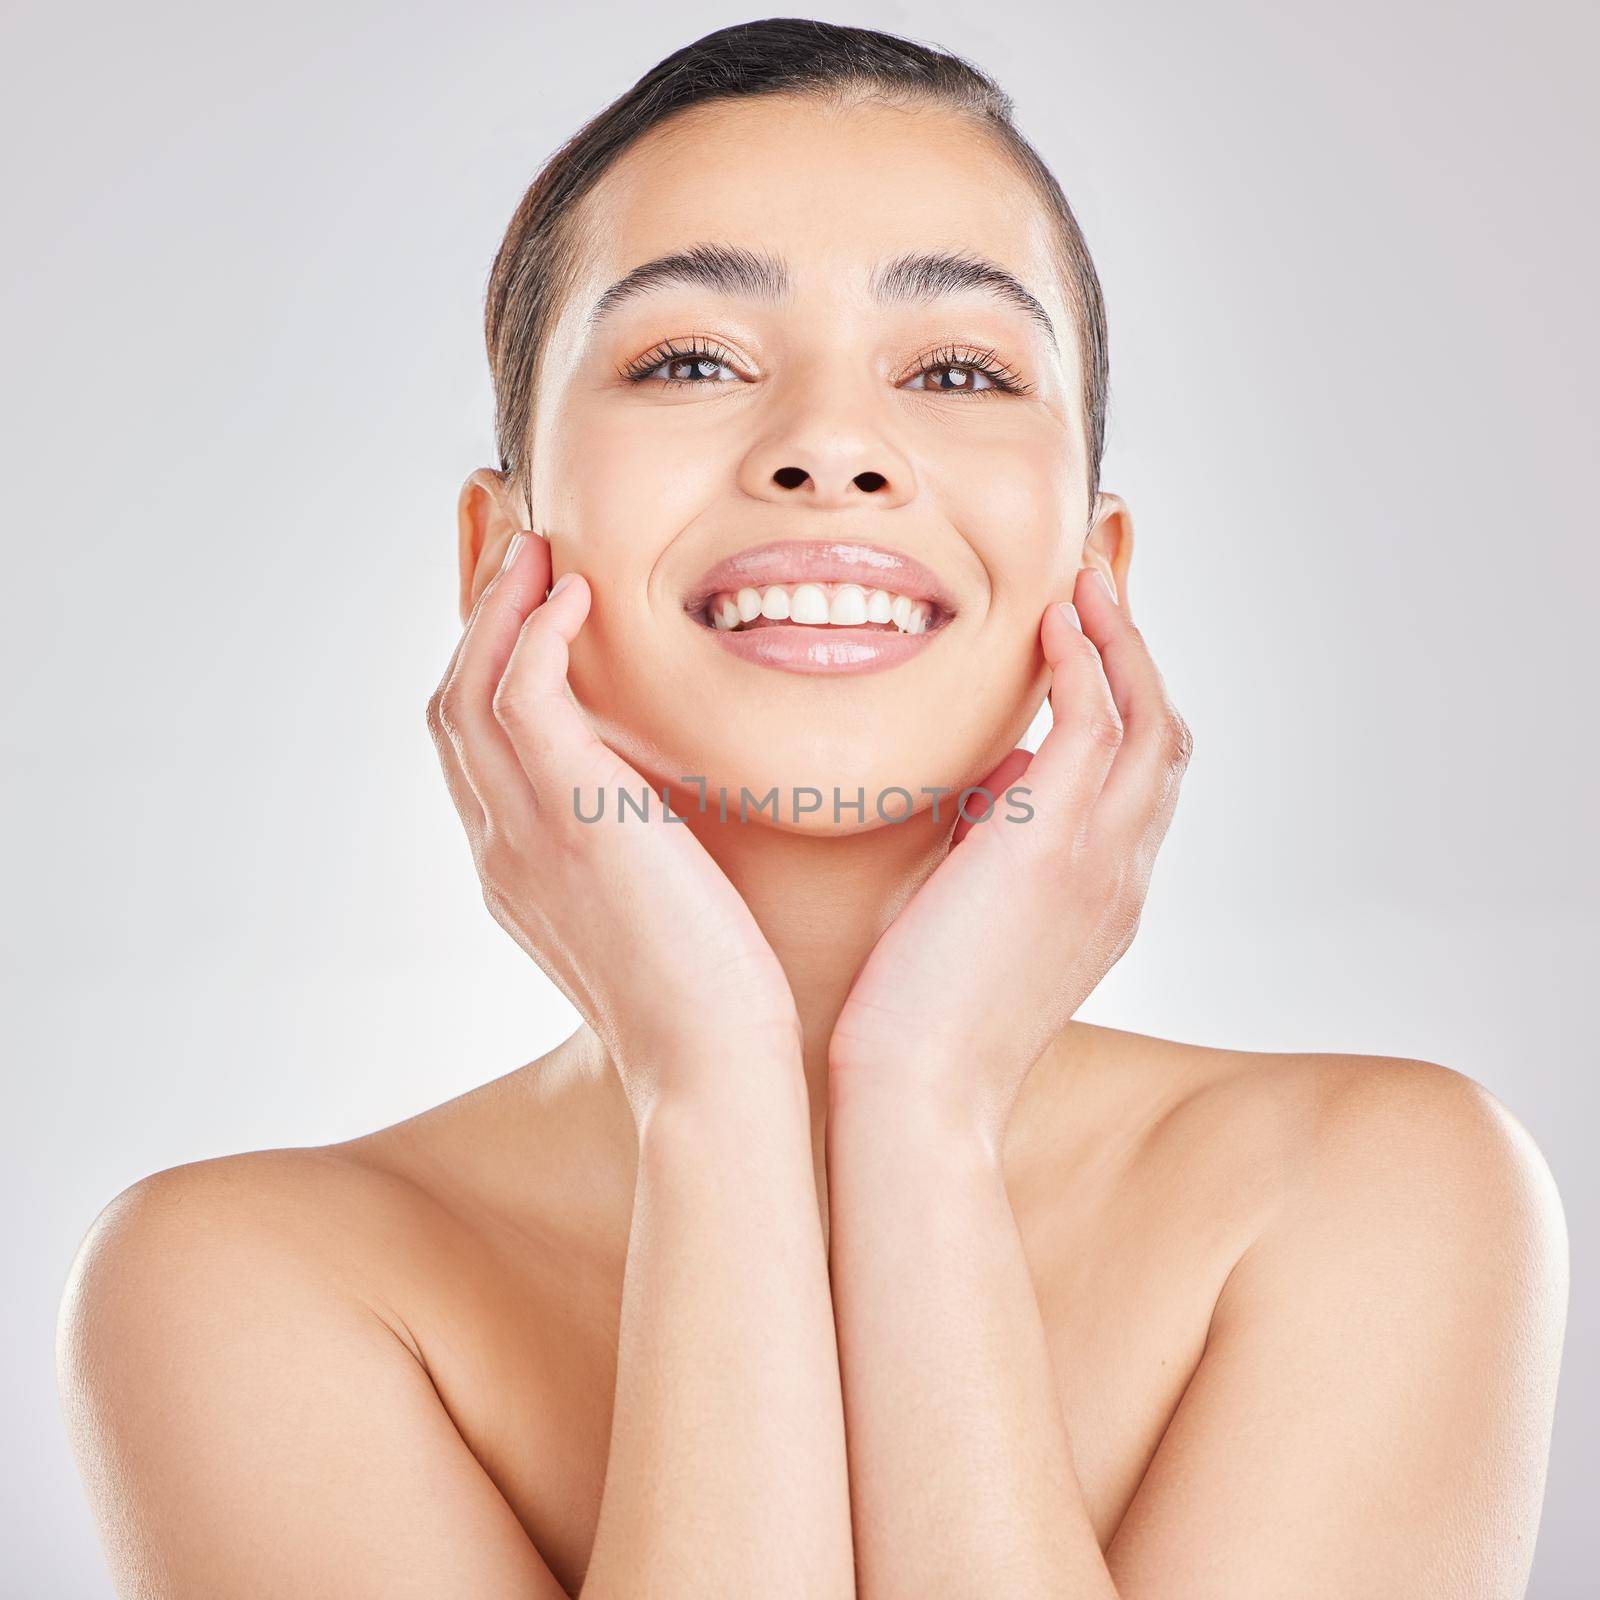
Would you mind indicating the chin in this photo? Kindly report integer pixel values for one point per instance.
(889, 740)
(803, 780)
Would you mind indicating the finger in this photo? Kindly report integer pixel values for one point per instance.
(455, 777)
(1066, 775)
(482, 747)
(534, 548)
(461, 791)
(995, 783)
(1142, 785)
(534, 705)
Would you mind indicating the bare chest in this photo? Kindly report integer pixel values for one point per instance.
(524, 1358)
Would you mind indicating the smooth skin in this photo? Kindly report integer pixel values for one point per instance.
(831, 1255)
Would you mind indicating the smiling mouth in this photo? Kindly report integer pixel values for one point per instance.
(822, 607)
(844, 588)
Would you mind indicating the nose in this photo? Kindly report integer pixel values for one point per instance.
(868, 482)
(828, 459)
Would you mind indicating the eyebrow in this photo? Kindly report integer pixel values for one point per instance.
(728, 269)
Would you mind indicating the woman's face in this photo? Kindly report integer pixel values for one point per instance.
(825, 410)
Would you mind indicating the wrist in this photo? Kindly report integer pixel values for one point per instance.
(723, 1093)
(692, 1045)
(754, 1149)
(890, 1121)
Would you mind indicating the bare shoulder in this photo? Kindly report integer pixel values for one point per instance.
(237, 1353)
(1387, 1329)
(269, 1245)
(1346, 1134)
(1410, 1145)
(393, 1226)
(1394, 1199)
(426, 1230)
(1415, 1183)
(235, 1215)
(1269, 1173)
(1391, 1125)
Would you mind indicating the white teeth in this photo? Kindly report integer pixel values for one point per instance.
(810, 604)
(847, 605)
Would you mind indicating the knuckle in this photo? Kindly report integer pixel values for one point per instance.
(501, 894)
(1087, 651)
(448, 710)
(442, 715)
(1177, 740)
(1104, 729)
(511, 706)
(503, 852)
(495, 901)
(1128, 899)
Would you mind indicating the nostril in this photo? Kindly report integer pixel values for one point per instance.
(790, 477)
(870, 481)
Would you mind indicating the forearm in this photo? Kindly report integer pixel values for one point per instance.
(727, 1471)
(962, 1479)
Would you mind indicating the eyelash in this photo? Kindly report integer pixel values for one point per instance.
(1002, 378)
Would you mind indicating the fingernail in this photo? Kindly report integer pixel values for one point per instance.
(1105, 583)
(1069, 613)
(513, 550)
(560, 584)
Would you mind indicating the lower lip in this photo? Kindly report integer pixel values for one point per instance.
(797, 647)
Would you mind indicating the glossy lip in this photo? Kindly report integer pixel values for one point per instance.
(791, 561)
(806, 648)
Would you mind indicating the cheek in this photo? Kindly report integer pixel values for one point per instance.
(617, 492)
(1022, 505)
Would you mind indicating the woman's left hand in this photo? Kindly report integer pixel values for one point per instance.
(1012, 931)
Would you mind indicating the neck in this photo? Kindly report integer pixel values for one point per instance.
(821, 902)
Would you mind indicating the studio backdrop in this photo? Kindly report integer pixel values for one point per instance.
(1349, 259)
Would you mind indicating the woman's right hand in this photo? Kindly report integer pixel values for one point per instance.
(631, 919)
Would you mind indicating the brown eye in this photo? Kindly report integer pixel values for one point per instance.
(692, 369)
(957, 370)
(682, 366)
(956, 376)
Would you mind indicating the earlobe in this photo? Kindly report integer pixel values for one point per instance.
(1108, 548)
(485, 521)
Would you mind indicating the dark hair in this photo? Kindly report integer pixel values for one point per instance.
(781, 55)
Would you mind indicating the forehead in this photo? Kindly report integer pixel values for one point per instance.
(831, 189)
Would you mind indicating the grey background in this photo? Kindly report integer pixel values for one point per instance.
(1350, 259)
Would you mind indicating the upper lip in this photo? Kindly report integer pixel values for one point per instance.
(791, 561)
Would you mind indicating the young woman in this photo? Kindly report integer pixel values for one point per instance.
(831, 1255)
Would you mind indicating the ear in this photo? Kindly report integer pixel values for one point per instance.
(487, 518)
(1108, 546)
